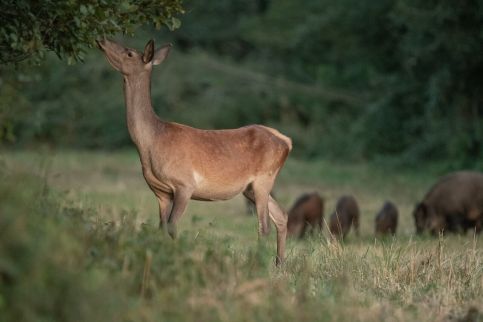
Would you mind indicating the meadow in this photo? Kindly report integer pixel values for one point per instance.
(79, 242)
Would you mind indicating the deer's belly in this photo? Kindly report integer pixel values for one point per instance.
(215, 193)
(204, 195)
(206, 189)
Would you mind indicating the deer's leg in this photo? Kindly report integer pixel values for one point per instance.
(262, 211)
(180, 201)
(164, 202)
(261, 192)
(279, 218)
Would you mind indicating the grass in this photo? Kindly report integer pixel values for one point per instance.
(78, 242)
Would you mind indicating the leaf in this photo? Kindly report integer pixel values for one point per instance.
(83, 9)
(175, 23)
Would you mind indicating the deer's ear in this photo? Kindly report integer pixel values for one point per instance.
(148, 52)
(161, 54)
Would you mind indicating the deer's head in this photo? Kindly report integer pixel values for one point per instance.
(130, 61)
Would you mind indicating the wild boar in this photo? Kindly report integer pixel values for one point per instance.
(307, 214)
(453, 204)
(346, 214)
(386, 219)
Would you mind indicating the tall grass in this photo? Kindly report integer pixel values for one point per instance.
(65, 261)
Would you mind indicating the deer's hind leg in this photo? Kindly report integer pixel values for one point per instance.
(279, 218)
(260, 198)
(259, 192)
(164, 202)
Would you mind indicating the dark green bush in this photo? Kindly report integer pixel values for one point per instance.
(386, 79)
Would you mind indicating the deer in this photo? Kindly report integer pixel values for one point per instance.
(181, 163)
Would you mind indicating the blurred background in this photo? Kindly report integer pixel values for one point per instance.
(395, 81)
(380, 97)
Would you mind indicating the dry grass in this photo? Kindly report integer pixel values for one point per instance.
(231, 274)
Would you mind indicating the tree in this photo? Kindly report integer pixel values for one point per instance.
(31, 28)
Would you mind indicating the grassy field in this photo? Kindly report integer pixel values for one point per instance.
(79, 243)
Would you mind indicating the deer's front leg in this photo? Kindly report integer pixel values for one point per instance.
(180, 201)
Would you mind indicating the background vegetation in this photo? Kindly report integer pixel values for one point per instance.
(398, 80)
(380, 97)
(69, 28)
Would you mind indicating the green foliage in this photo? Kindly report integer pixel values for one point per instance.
(11, 105)
(62, 111)
(385, 79)
(435, 104)
(418, 65)
(69, 28)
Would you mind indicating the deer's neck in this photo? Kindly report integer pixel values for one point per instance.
(142, 122)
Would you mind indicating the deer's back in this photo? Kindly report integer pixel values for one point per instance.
(218, 164)
(233, 150)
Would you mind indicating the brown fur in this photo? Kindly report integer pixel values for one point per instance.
(181, 163)
(453, 204)
(307, 213)
(386, 219)
(346, 214)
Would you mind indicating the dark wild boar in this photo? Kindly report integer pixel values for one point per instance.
(346, 214)
(307, 214)
(386, 219)
(453, 204)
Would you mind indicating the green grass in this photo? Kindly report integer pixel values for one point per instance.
(78, 242)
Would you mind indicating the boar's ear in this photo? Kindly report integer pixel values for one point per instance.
(422, 209)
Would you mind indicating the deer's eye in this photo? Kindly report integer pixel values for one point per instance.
(129, 54)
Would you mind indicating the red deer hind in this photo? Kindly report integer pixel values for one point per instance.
(181, 163)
